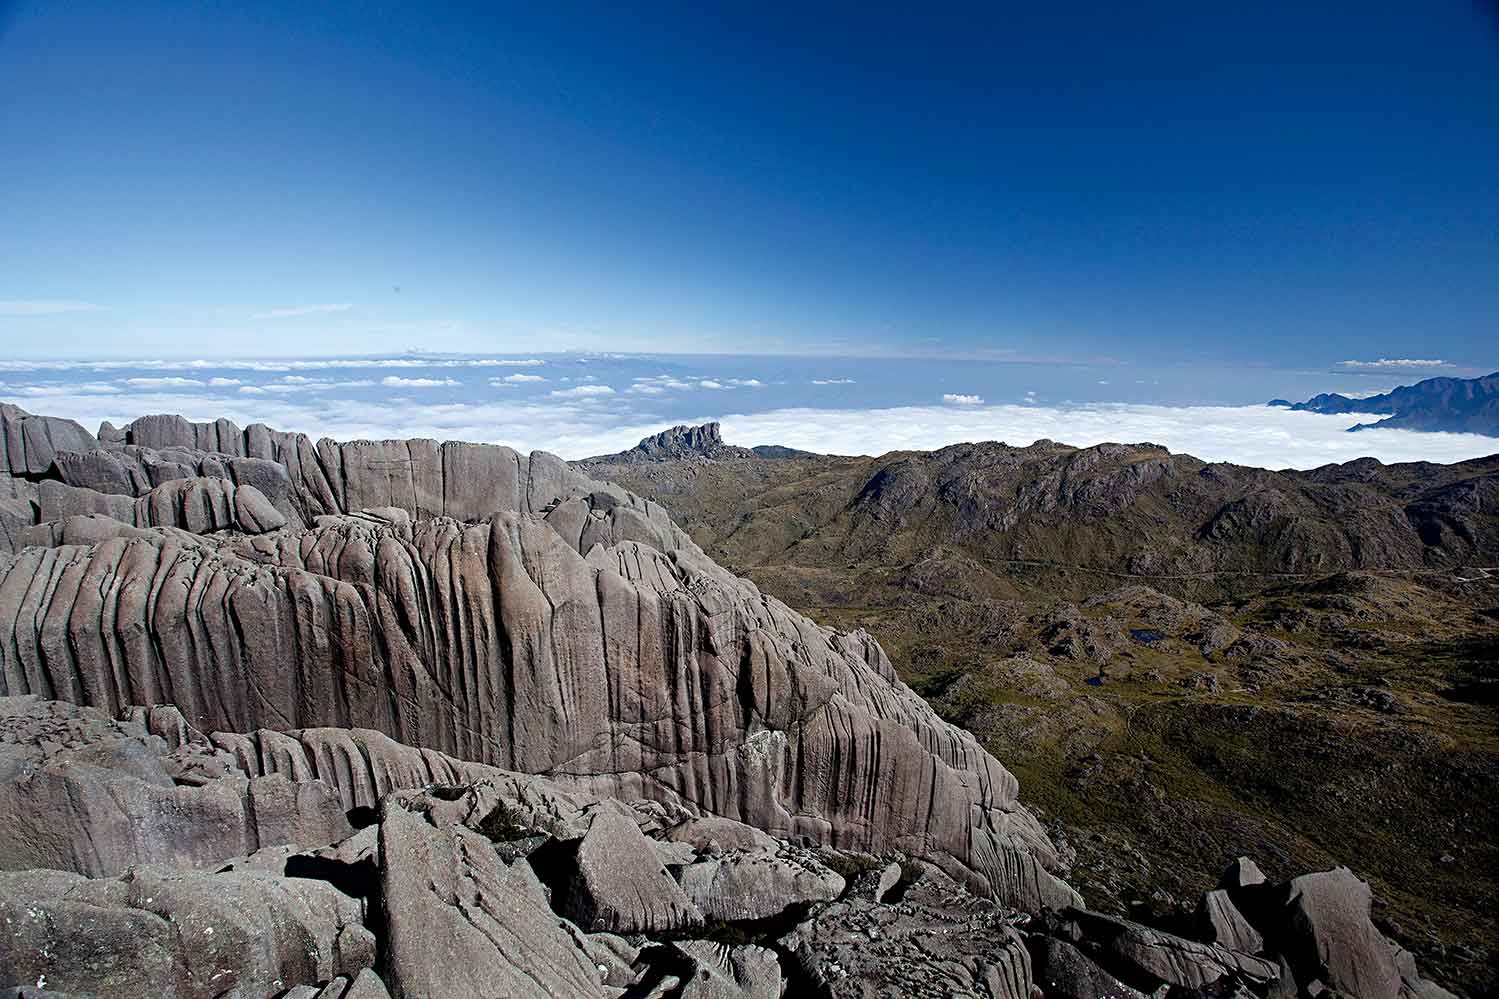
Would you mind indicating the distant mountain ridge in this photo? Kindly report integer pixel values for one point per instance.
(684, 443)
(1457, 405)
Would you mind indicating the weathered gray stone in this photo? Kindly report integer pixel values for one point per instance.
(1330, 936)
(1064, 972)
(1222, 923)
(633, 672)
(83, 794)
(1151, 957)
(461, 923)
(719, 971)
(28, 443)
(1241, 873)
(197, 505)
(177, 936)
(939, 941)
(611, 879)
(758, 884)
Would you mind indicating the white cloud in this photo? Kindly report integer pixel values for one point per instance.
(709, 383)
(1395, 362)
(167, 382)
(53, 391)
(303, 310)
(272, 365)
(575, 426)
(301, 383)
(223, 382)
(517, 379)
(394, 381)
(656, 384)
(44, 307)
(1262, 436)
(832, 381)
(582, 392)
(746, 382)
(962, 400)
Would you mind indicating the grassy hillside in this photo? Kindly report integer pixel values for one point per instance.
(1181, 661)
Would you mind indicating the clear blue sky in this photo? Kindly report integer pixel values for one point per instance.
(1288, 183)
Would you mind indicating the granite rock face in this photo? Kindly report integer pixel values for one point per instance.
(465, 880)
(461, 922)
(180, 936)
(28, 443)
(85, 794)
(197, 505)
(557, 626)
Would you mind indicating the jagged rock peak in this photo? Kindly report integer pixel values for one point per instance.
(682, 440)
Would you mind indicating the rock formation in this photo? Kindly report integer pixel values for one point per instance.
(464, 880)
(572, 630)
(399, 719)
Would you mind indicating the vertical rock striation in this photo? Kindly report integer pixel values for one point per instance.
(508, 610)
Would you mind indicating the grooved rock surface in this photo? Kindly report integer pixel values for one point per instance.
(1063, 972)
(758, 884)
(461, 923)
(710, 970)
(29, 443)
(575, 633)
(1151, 958)
(84, 794)
(1332, 938)
(938, 941)
(197, 505)
(157, 933)
(612, 880)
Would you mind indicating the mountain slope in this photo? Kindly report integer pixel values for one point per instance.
(1183, 661)
(1459, 405)
(508, 610)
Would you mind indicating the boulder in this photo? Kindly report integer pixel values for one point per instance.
(1147, 958)
(757, 884)
(460, 922)
(94, 797)
(704, 969)
(1329, 936)
(940, 940)
(1241, 873)
(1221, 923)
(29, 443)
(176, 935)
(1064, 972)
(611, 879)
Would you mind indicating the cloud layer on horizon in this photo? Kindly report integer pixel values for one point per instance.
(591, 419)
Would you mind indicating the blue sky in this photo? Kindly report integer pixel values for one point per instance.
(1285, 184)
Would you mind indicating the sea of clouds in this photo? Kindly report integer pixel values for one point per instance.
(583, 406)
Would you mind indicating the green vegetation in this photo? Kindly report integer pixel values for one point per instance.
(1314, 685)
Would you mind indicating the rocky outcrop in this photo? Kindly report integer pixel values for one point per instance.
(197, 505)
(28, 443)
(756, 884)
(611, 879)
(470, 881)
(938, 940)
(154, 932)
(85, 794)
(461, 922)
(575, 633)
